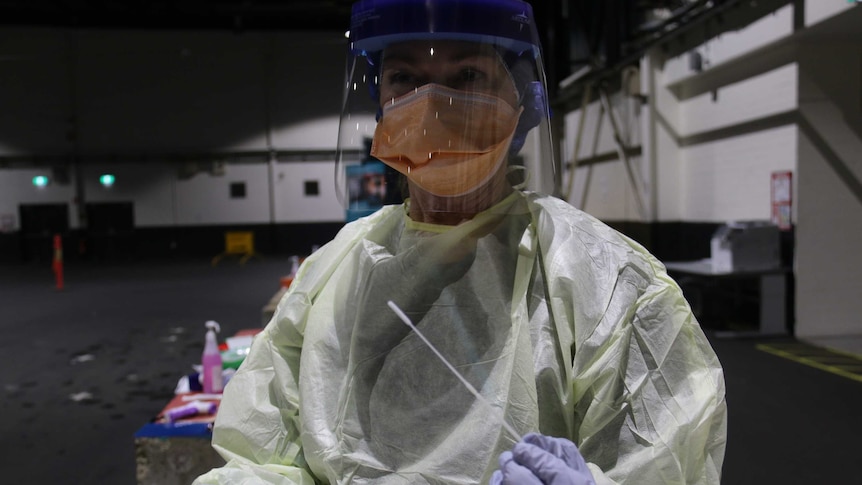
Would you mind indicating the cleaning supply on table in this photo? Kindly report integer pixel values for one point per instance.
(286, 281)
(193, 408)
(237, 348)
(211, 361)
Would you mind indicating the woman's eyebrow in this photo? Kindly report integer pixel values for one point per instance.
(403, 57)
(467, 57)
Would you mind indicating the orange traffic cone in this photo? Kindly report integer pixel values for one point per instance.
(58, 261)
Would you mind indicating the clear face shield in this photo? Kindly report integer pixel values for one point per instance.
(452, 95)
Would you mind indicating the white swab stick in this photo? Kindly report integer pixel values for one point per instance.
(457, 374)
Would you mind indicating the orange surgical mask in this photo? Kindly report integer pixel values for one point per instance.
(449, 142)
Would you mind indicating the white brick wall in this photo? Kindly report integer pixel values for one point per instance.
(730, 179)
(764, 31)
(610, 195)
(770, 93)
(151, 186)
(829, 235)
(205, 198)
(606, 137)
(730, 45)
(291, 203)
(162, 199)
(670, 178)
(829, 230)
(16, 187)
(717, 181)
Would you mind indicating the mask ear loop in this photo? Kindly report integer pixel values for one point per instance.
(514, 168)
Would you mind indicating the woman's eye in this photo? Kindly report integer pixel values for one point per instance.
(471, 75)
(400, 78)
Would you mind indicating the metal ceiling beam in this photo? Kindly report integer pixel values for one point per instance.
(674, 38)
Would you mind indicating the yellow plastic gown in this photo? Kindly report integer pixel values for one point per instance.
(561, 323)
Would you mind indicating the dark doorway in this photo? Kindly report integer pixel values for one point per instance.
(39, 224)
(111, 217)
(110, 230)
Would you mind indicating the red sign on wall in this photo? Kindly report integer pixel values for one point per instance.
(782, 199)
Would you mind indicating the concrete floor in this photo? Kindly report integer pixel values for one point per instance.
(87, 366)
(846, 343)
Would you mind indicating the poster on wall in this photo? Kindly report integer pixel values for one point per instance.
(782, 199)
(366, 189)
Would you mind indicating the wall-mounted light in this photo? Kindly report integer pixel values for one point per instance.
(41, 181)
(107, 180)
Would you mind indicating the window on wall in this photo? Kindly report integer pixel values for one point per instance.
(312, 188)
(237, 190)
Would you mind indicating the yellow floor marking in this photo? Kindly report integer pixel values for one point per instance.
(838, 363)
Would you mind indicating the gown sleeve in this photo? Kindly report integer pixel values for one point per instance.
(257, 428)
(649, 394)
(257, 425)
(647, 389)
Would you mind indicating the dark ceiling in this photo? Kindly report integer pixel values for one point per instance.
(602, 35)
(237, 15)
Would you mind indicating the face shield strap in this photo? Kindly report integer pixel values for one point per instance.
(535, 109)
(531, 95)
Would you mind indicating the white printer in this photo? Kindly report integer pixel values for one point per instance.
(746, 246)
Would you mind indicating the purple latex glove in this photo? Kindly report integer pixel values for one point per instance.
(538, 459)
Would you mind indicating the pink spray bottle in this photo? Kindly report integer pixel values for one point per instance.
(211, 361)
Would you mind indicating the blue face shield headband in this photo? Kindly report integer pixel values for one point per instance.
(506, 24)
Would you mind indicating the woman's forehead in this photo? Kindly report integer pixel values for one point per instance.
(444, 50)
